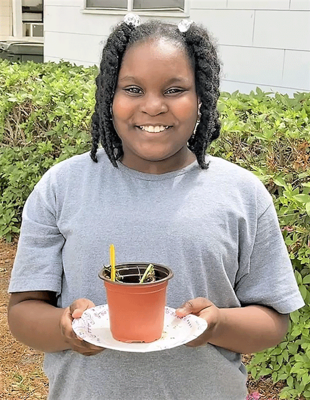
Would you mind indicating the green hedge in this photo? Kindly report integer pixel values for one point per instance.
(270, 135)
(45, 118)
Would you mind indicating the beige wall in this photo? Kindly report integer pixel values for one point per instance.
(6, 24)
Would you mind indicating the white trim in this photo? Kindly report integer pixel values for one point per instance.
(17, 18)
(142, 13)
(22, 39)
(187, 7)
(169, 14)
(266, 85)
(130, 5)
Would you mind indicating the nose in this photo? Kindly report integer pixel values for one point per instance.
(154, 104)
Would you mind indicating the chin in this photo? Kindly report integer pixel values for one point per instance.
(155, 157)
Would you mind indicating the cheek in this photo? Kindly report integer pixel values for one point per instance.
(186, 110)
(121, 108)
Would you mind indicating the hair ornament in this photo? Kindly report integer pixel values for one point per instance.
(132, 19)
(184, 25)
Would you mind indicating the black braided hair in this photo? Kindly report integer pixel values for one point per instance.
(204, 60)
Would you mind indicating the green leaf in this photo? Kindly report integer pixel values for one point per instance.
(279, 181)
(302, 198)
(295, 316)
(303, 291)
(305, 379)
(265, 371)
(290, 381)
(285, 355)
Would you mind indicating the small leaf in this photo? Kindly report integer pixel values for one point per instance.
(306, 279)
(280, 182)
(302, 198)
(290, 381)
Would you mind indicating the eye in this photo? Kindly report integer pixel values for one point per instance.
(174, 91)
(134, 90)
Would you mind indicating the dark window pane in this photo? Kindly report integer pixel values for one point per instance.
(107, 4)
(162, 4)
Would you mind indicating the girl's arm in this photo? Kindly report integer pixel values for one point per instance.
(35, 321)
(243, 330)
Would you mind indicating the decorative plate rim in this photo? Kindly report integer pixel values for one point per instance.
(96, 319)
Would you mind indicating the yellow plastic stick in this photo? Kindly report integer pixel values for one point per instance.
(112, 262)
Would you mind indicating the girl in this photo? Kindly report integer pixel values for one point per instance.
(153, 193)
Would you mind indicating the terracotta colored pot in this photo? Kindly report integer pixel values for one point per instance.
(137, 310)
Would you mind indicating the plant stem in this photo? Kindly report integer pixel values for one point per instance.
(146, 273)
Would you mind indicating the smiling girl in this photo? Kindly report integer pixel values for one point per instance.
(155, 194)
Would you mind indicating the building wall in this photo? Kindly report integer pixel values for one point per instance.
(6, 23)
(263, 43)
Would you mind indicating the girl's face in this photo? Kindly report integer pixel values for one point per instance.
(155, 107)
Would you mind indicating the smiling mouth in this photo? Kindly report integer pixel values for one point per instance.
(153, 129)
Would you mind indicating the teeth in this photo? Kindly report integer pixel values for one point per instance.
(154, 129)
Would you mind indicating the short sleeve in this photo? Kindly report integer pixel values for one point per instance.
(270, 280)
(38, 262)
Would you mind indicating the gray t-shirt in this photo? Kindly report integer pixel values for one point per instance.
(218, 231)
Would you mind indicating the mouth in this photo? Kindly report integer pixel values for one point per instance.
(153, 129)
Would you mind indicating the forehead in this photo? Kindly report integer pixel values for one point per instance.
(156, 58)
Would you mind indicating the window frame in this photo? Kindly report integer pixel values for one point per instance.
(151, 13)
(17, 24)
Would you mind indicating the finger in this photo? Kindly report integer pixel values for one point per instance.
(80, 345)
(75, 342)
(209, 314)
(66, 326)
(80, 305)
(87, 351)
(78, 313)
(92, 353)
(84, 346)
(193, 306)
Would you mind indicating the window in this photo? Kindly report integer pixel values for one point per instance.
(164, 5)
(137, 5)
(110, 4)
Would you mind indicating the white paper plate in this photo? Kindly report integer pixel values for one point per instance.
(94, 327)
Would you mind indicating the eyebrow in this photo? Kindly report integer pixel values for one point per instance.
(169, 82)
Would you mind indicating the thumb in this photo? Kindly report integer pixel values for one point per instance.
(193, 306)
(186, 309)
(77, 313)
(79, 306)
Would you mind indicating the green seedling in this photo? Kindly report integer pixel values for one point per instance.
(149, 274)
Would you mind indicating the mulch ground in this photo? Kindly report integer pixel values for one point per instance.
(21, 374)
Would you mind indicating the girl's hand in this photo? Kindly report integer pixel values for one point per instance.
(76, 343)
(205, 309)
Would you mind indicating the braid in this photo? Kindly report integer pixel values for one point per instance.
(207, 71)
(102, 127)
(203, 57)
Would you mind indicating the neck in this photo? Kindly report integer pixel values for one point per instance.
(158, 167)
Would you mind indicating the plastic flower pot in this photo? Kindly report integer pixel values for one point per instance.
(136, 310)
